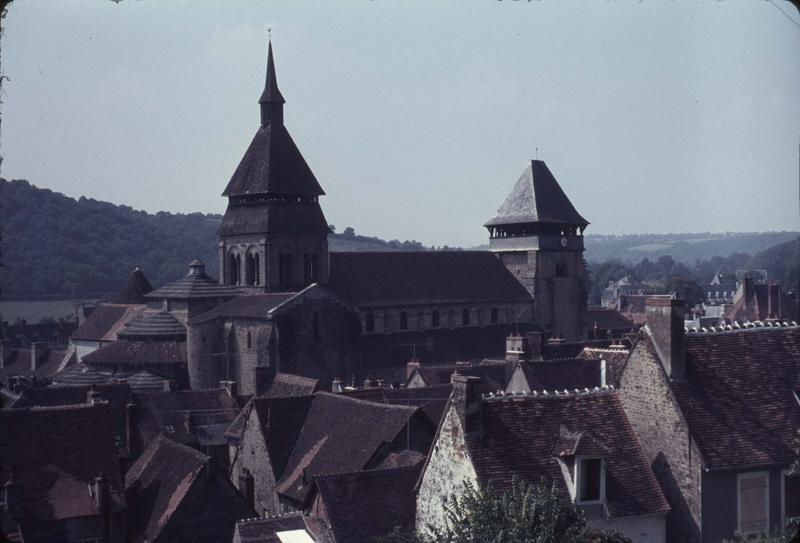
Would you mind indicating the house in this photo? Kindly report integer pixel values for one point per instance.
(27, 368)
(292, 527)
(579, 441)
(606, 323)
(367, 504)
(61, 471)
(286, 384)
(287, 442)
(176, 493)
(493, 373)
(716, 412)
(195, 418)
(760, 302)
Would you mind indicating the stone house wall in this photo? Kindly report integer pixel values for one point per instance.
(664, 436)
(252, 454)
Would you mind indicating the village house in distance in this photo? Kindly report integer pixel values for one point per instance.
(309, 396)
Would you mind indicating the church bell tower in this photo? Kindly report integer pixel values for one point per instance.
(538, 235)
(274, 236)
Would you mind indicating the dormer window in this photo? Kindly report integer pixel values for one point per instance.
(590, 480)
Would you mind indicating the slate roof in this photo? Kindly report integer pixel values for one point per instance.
(365, 505)
(273, 164)
(105, 321)
(185, 416)
(560, 374)
(80, 375)
(281, 420)
(432, 400)
(118, 394)
(55, 453)
(244, 307)
(160, 325)
(427, 278)
(134, 289)
(271, 92)
(138, 353)
(493, 373)
(607, 319)
(571, 349)
(195, 285)
(738, 397)
(616, 360)
(172, 498)
(287, 384)
(537, 198)
(521, 434)
(340, 434)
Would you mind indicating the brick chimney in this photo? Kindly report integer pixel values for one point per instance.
(336, 387)
(230, 387)
(247, 487)
(38, 349)
(515, 349)
(774, 302)
(102, 499)
(665, 326)
(13, 499)
(466, 398)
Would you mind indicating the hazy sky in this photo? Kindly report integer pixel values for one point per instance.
(417, 118)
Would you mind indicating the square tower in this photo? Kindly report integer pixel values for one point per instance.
(274, 236)
(538, 235)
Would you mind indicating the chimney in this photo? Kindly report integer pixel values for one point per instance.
(230, 387)
(102, 499)
(336, 388)
(466, 398)
(93, 395)
(247, 487)
(774, 302)
(533, 345)
(38, 349)
(665, 326)
(13, 499)
(5, 350)
(411, 367)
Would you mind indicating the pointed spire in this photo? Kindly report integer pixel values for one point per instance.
(271, 99)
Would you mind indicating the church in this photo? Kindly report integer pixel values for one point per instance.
(285, 303)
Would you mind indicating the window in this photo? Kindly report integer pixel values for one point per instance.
(233, 270)
(250, 269)
(465, 317)
(589, 480)
(369, 323)
(257, 260)
(435, 318)
(753, 502)
(403, 320)
(493, 315)
(249, 341)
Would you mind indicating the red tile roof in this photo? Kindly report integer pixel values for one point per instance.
(607, 319)
(493, 373)
(520, 434)
(738, 397)
(432, 400)
(55, 453)
(282, 420)
(286, 384)
(616, 358)
(560, 374)
(138, 353)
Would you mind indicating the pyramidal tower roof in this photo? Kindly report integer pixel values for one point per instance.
(272, 163)
(537, 198)
(134, 290)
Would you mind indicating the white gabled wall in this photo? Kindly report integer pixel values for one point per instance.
(449, 468)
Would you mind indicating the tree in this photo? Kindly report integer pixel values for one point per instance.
(522, 514)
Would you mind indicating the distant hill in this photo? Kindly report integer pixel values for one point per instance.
(54, 245)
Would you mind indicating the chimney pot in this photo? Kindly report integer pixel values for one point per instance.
(38, 349)
(411, 367)
(467, 399)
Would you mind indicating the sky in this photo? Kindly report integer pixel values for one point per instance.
(417, 118)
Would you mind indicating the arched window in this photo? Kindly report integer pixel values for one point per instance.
(314, 268)
(316, 325)
(249, 341)
(561, 269)
(465, 317)
(403, 320)
(233, 270)
(285, 269)
(238, 269)
(250, 269)
(494, 315)
(435, 318)
(257, 260)
(370, 322)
